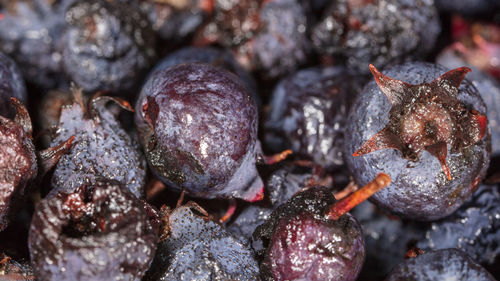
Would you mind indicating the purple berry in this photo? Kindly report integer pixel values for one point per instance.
(11, 85)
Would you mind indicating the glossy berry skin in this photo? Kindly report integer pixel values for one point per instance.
(18, 166)
(100, 232)
(102, 148)
(446, 264)
(107, 46)
(309, 114)
(474, 228)
(11, 85)
(266, 36)
(198, 127)
(196, 248)
(436, 174)
(30, 33)
(376, 32)
(211, 55)
(301, 244)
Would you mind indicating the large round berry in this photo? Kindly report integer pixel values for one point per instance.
(102, 148)
(309, 113)
(99, 232)
(11, 85)
(198, 126)
(446, 264)
(302, 244)
(107, 46)
(377, 32)
(426, 127)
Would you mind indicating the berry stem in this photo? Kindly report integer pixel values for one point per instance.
(230, 211)
(278, 157)
(336, 210)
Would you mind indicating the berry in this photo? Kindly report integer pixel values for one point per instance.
(18, 161)
(102, 148)
(99, 232)
(474, 228)
(468, 7)
(437, 135)
(197, 248)
(446, 264)
(198, 127)
(30, 33)
(175, 21)
(266, 36)
(11, 270)
(107, 46)
(310, 112)
(210, 55)
(377, 32)
(11, 85)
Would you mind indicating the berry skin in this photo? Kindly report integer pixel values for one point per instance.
(198, 127)
(99, 232)
(446, 264)
(309, 114)
(376, 32)
(474, 228)
(102, 148)
(107, 46)
(19, 164)
(11, 85)
(210, 55)
(301, 244)
(434, 141)
(30, 33)
(266, 36)
(197, 248)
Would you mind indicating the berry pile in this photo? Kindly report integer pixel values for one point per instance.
(249, 140)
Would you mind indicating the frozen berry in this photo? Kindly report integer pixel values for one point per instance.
(267, 36)
(377, 32)
(19, 165)
(30, 33)
(446, 264)
(309, 113)
(197, 248)
(474, 228)
(99, 232)
(198, 127)
(107, 46)
(425, 127)
(11, 85)
(102, 148)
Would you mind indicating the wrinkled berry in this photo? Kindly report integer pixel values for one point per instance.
(99, 232)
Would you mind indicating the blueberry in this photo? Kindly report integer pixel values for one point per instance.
(11, 85)
(434, 141)
(445, 264)
(198, 127)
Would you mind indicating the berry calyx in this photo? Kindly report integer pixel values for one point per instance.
(426, 116)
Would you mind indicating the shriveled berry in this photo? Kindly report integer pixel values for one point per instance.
(107, 46)
(11, 85)
(99, 232)
(446, 264)
(377, 32)
(474, 228)
(301, 244)
(309, 113)
(198, 127)
(102, 148)
(425, 127)
(30, 33)
(266, 36)
(197, 248)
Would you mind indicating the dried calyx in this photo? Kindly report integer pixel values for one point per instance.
(427, 116)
